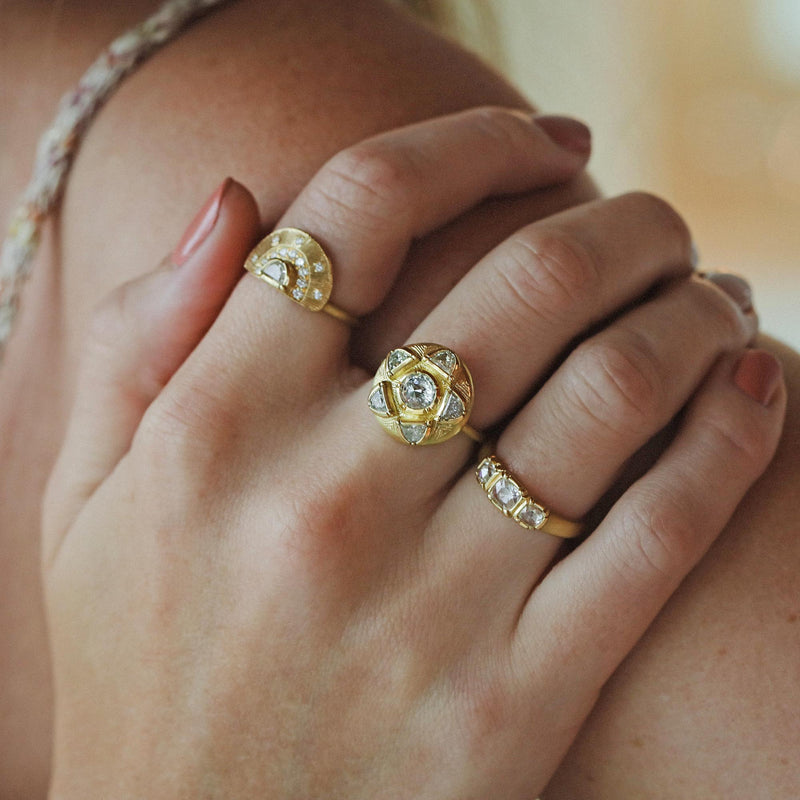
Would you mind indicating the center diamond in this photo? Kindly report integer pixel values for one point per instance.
(418, 391)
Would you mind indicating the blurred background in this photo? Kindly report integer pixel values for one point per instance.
(695, 100)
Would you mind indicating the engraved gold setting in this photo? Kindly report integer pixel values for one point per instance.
(508, 494)
(293, 262)
(423, 394)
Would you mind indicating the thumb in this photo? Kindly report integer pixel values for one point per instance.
(139, 336)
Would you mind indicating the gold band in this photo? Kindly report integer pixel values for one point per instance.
(423, 394)
(293, 262)
(338, 313)
(508, 494)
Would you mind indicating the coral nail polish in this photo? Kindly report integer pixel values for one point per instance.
(201, 226)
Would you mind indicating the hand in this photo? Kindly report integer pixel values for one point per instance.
(253, 591)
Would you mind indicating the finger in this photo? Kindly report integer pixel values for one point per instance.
(367, 205)
(612, 395)
(514, 314)
(440, 260)
(140, 336)
(618, 389)
(594, 605)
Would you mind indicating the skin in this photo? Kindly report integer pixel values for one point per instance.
(621, 752)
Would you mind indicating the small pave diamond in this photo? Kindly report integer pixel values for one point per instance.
(316, 294)
(276, 270)
(302, 283)
(276, 240)
(453, 407)
(531, 515)
(506, 493)
(413, 432)
(319, 267)
(297, 294)
(396, 359)
(303, 272)
(299, 240)
(486, 469)
(418, 391)
(377, 400)
(300, 262)
(283, 252)
(444, 359)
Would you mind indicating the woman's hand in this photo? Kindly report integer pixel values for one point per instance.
(253, 591)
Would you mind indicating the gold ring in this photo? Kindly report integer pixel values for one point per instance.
(423, 394)
(293, 262)
(508, 494)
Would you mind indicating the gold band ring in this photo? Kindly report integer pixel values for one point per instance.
(423, 394)
(293, 262)
(508, 494)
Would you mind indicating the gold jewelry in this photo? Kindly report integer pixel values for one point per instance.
(293, 262)
(510, 497)
(423, 394)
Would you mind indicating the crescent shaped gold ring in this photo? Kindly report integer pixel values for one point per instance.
(294, 263)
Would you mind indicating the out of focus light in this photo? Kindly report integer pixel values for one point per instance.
(776, 30)
(727, 131)
(783, 158)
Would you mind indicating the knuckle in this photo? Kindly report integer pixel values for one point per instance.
(739, 442)
(185, 431)
(655, 207)
(660, 542)
(505, 130)
(719, 311)
(621, 379)
(549, 273)
(369, 182)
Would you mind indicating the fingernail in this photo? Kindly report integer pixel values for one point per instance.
(567, 133)
(758, 375)
(200, 226)
(736, 287)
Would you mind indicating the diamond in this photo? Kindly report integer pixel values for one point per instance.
(302, 283)
(303, 272)
(418, 391)
(319, 267)
(531, 515)
(506, 493)
(276, 240)
(396, 359)
(254, 259)
(413, 432)
(316, 294)
(486, 469)
(297, 294)
(377, 400)
(283, 252)
(453, 407)
(299, 240)
(275, 270)
(445, 359)
(294, 254)
(300, 262)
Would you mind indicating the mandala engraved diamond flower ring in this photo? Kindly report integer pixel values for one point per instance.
(508, 494)
(294, 263)
(423, 394)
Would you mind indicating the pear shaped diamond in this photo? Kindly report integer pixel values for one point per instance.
(445, 360)
(413, 432)
(396, 359)
(453, 407)
(377, 401)
(276, 271)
